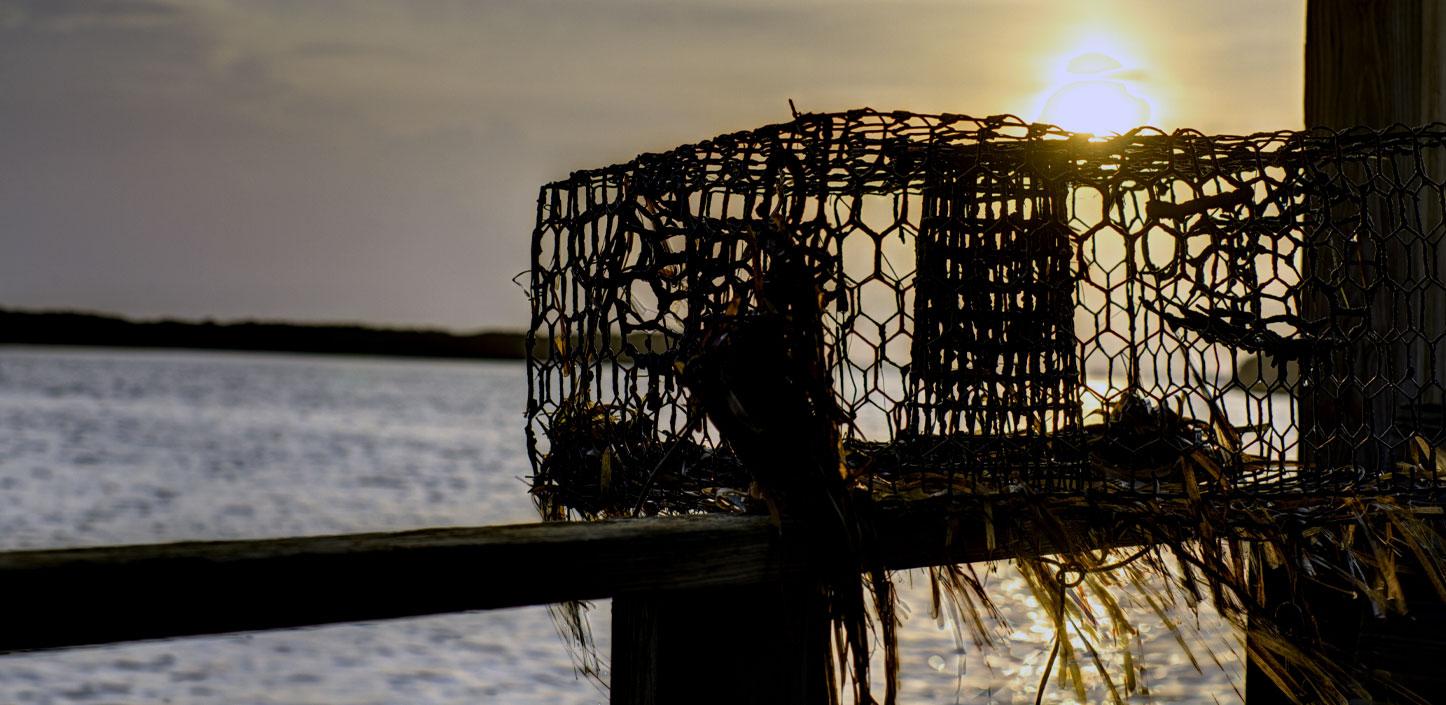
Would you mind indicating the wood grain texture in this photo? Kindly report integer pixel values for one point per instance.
(95, 595)
(1375, 63)
(100, 595)
(1364, 62)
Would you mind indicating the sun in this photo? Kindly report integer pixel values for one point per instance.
(1096, 94)
(1095, 106)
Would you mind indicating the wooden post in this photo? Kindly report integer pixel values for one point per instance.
(1372, 62)
(1376, 63)
(752, 645)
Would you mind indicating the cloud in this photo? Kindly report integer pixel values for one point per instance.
(78, 15)
(381, 159)
(576, 67)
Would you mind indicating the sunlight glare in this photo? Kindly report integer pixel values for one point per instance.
(1093, 62)
(1097, 107)
(1094, 91)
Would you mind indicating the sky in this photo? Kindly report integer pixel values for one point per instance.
(379, 161)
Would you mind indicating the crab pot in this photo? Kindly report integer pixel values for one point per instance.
(1006, 306)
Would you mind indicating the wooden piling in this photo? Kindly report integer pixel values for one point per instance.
(747, 645)
(1373, 63)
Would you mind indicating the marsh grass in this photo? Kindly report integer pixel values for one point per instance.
(1208, 531)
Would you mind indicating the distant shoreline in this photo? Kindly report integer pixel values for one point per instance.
(104, 330)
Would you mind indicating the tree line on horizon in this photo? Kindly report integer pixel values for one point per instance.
(92, 329)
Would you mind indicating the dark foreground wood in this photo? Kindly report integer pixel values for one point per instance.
(1375, 64)
(750, 645)
(100, 595)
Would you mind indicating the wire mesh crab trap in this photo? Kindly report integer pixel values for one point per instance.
(1008, 308)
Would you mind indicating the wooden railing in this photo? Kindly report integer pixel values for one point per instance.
(752, 579)
(73, 597)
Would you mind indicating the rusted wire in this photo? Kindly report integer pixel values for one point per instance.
(1009, 308)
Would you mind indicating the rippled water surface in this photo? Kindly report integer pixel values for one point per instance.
(104, 447)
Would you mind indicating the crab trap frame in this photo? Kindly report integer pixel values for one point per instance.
(1009, 308)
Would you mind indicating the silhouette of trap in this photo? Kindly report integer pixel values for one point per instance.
(1009, 309)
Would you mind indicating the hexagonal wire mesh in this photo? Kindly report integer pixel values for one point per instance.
(1010, 308)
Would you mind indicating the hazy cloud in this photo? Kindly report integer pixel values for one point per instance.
(76, 15)
(380, 160)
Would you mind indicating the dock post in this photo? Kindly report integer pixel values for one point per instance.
(1374, 63)
(753, 645)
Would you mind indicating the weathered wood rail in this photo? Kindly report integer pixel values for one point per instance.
(72, 597)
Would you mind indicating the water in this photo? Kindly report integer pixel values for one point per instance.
(104, 447)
